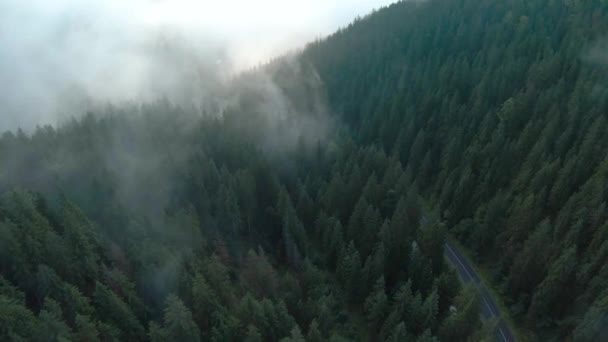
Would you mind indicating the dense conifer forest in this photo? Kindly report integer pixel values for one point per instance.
(293, 211)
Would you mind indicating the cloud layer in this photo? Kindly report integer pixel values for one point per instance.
(60, 56)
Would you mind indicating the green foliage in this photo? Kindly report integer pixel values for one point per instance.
(17, 322)
(462, 323)
(376, 304)
(432, 238)
(314, 334)
(113, 310)
(498, 121)
(178, 323)
(348, 271)
(593, 326)
(98, 286)
(253, 335)
(296, 336)
(80, 239)
(493, 111)
(259, 275)
(552, 297)
(427, 337)
(399, 333)
(85, 330)
(52, 321)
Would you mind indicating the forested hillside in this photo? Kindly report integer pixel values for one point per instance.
(154, 223)
(498, 110)
(289, 208)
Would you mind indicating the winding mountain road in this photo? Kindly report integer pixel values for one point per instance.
(489, 309)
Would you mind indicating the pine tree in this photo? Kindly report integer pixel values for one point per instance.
(549, 299)
(371, 225)
(399, 333)
(156, 333)
(432, 239)
(398, 241)
(356, 224)
(427, 336)
(420, 271)
(295, 336)
(400, 310)
(448, 287)
(253, 335)
(293, 235)
(85, 329)
(373, 267)
(465, 320)
(204, 302)
(82, 243)
(593, 325)
(258, 274)
(51, 319)
(178, 321)
(18, 323)
(229, 215)
(314, 334)
(376, 304)
(348, 270)
(333, 243)
(113, 310)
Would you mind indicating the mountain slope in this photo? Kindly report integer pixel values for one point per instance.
(273, 221)
(498, 109)
(157, 223)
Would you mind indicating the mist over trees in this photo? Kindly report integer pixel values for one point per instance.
(265, 223)
(288, 207)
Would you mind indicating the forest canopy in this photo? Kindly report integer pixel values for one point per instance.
(293, 207)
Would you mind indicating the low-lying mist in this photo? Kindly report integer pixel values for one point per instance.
(141, 158)
(118, 99)
(60, 58)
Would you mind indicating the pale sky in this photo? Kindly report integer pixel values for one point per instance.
(52, 51)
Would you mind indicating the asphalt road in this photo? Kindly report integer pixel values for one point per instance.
(489, 309)
(467, 274)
